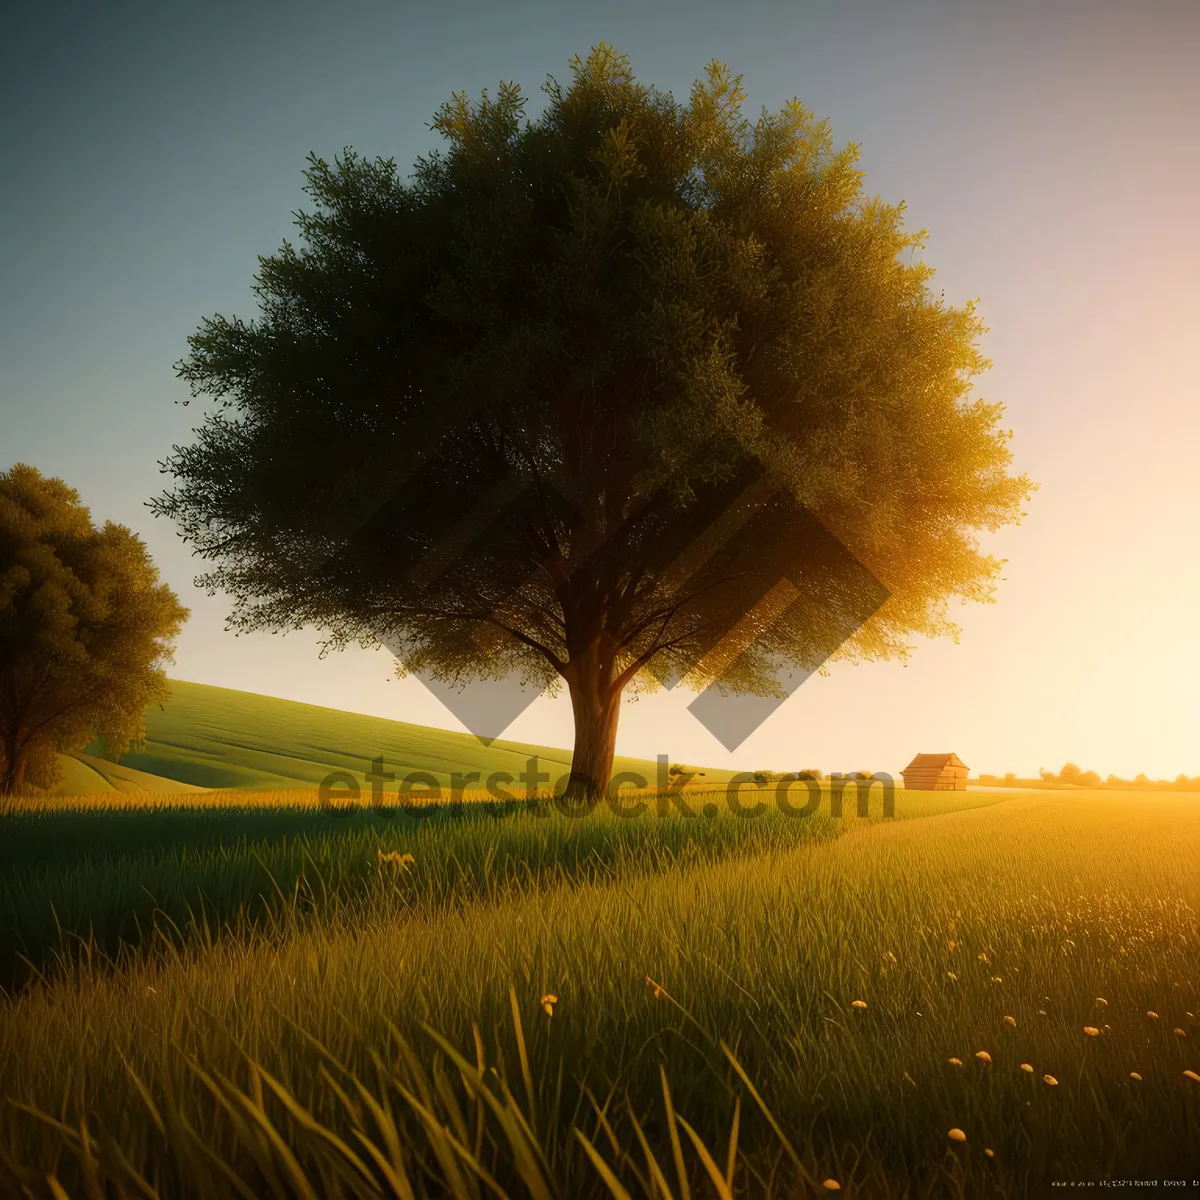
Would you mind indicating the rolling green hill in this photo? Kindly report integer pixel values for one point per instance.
(215, 737)
(84, 774)
(80, 777)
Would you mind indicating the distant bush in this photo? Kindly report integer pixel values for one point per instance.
(1073, 775)
(763, 776)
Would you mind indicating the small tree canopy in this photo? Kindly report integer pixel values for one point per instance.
(603, 323)
(85, 626)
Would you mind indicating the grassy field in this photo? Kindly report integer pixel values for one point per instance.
(88, 775)
(381, 1027)
(215, 737)
(113, 874)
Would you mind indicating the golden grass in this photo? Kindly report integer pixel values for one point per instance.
(300, 799)
(942, 927)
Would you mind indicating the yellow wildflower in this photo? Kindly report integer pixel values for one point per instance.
(1091, 1031)
(957, 1135)
(858, 1004)
(1011, 1022)
(1135, 1075)
(1049, 1081)
(984, 1057)
(394, 856)
(548, 1002)
(955, 1062)
(1027, 1068)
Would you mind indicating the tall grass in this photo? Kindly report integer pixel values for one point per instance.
(106, 876)
(704, 1039)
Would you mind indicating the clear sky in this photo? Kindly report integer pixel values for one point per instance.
(152, 151)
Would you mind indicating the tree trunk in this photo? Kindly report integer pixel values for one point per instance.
(12, 776)
(596, 703)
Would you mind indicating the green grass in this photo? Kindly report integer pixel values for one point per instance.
(221, 738)
(80, 777)
(103, 877)
(381, 1039)
(86, 774)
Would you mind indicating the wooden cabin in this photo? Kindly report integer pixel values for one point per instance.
(935, 773)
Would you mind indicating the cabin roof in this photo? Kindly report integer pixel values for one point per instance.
(934, 762)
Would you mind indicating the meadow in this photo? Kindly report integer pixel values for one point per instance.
(221, 738)
(533, 1004)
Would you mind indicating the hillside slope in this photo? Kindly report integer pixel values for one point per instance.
(221, 738)
(80, 777)
(120, 778)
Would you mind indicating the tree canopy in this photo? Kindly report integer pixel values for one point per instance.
(576, 398)
(85, 628)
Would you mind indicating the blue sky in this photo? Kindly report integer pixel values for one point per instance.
(154, 151)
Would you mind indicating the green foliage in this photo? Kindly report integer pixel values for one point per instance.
(763, 776)
(85, 626)
(619, 306)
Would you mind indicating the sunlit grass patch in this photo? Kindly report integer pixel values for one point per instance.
(99, 875)
(735, 974)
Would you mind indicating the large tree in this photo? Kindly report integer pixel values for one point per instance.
(85, 627)
(571, 399)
